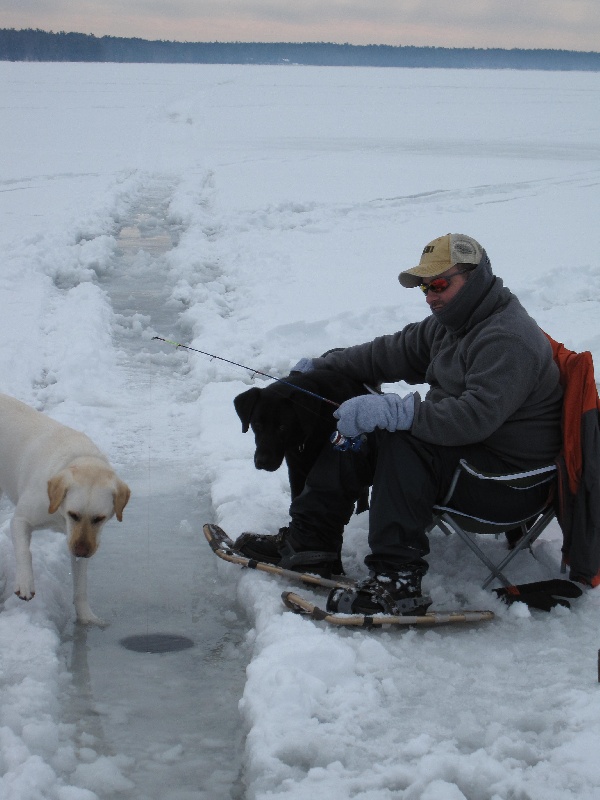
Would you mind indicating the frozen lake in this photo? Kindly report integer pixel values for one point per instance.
(263, 214)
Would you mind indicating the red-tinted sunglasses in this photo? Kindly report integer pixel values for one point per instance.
(439, 285)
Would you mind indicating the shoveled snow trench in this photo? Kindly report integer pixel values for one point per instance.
(168, 721)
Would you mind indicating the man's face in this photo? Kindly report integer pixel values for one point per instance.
(437, 301)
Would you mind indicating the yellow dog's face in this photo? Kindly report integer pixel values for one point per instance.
(86, 496)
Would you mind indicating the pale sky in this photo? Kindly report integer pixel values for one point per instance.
(560, 24)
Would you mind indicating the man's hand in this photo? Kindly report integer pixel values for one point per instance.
(365, 413)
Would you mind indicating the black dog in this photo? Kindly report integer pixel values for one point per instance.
(288, 423)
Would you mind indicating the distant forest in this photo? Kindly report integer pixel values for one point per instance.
(37, 45)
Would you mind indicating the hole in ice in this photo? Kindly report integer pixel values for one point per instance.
(156, 643)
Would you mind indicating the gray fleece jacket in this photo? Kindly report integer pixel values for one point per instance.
(490, 370)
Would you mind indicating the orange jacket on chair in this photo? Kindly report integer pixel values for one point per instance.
(578, 502)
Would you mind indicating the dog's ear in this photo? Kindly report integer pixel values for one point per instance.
(57, 489)
(244, 405)
(121, 497)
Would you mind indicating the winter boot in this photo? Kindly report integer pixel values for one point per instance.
(260, 547)
(277, 549)
(398, 593)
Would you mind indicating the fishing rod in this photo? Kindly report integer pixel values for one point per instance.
(338, 440)
(243, 366)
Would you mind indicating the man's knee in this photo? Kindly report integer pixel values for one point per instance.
(404, 450)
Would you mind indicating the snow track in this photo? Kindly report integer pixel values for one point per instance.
(166, 720)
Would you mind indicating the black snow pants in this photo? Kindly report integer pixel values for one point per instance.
(408, 476)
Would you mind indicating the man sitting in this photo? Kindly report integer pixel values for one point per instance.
(494, 400)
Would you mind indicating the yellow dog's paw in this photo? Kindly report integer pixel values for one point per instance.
(24, 595)
(85, 616)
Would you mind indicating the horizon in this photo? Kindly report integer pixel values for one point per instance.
(282, 42)
(498, 24)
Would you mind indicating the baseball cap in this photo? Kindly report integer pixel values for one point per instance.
(441, 254)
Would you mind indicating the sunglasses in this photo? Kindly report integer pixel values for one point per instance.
(439, 285)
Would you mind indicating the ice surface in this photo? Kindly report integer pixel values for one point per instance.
(263, 214)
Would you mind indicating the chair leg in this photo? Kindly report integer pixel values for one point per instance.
(447, 525)
(496, 572)
(526, 541)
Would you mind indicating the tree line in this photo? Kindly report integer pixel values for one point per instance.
(37, 45)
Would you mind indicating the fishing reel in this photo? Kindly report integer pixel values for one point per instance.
(345, 443)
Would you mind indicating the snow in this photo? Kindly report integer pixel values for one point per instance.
(262, 214)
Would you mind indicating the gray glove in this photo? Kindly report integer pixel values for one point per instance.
(304, 365)
(369, 411)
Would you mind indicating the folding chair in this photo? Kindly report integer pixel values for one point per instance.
(451, 520)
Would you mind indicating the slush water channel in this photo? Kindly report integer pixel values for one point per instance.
(168, 719)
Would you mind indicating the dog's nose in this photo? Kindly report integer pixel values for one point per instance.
(267, 463)
(261, 462)
(81, 550)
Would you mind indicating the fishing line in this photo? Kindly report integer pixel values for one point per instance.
(250, 369)
(338, 440)
(150, 495)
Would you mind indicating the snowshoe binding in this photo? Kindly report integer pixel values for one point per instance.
(396, 593)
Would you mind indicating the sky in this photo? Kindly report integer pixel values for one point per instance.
(572, 25)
